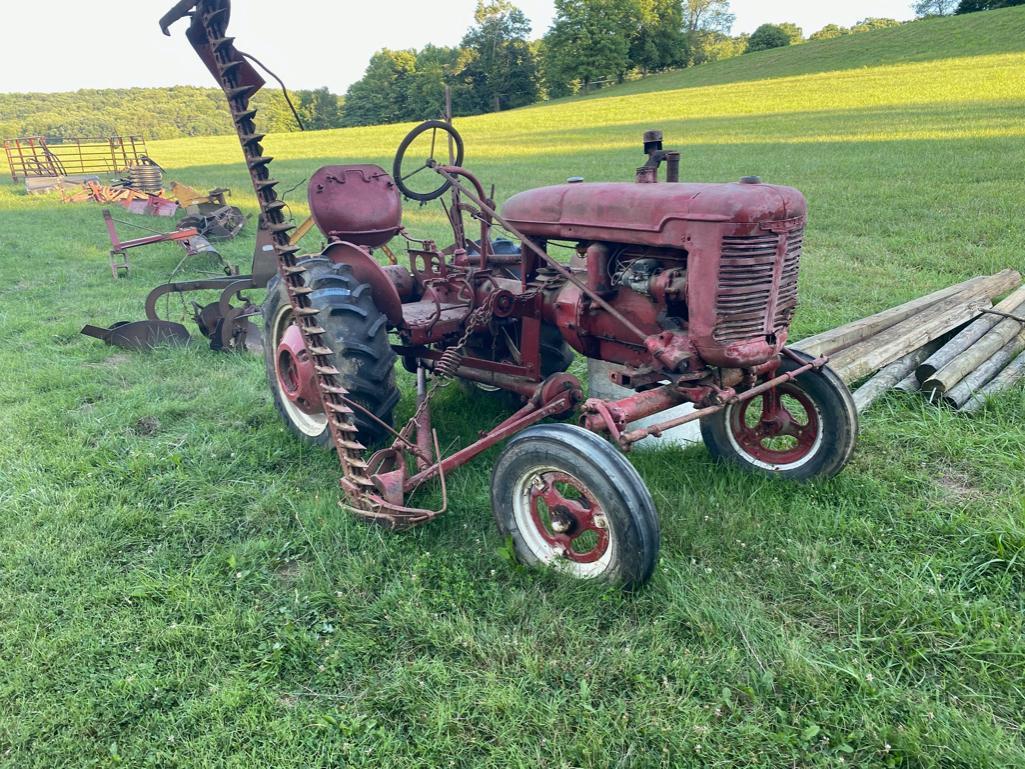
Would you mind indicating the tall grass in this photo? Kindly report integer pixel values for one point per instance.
(179, 588)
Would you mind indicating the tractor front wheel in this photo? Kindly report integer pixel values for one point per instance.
(357, 332)
(569, 500)
(802, 430)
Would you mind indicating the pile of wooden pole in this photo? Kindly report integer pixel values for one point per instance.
(953, 345)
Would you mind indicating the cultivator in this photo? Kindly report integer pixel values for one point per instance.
(689, 289)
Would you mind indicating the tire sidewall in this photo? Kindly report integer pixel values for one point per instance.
(838, 418)
(277, 297)
(626, 502)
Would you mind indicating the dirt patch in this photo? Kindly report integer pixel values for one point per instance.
(289, 572)
(147, 427)
(956, 483)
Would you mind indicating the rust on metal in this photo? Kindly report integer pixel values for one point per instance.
(690, 288)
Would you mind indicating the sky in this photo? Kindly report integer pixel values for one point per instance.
(309, 43)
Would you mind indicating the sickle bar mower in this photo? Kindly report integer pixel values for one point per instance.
(688, 289)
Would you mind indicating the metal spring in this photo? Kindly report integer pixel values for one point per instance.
(148, 178)
(449, 363)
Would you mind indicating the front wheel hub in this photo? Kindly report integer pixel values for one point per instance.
(297, 374)
(784, 431)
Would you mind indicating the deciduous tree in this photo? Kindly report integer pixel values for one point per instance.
(589, 41)
(768, 36)
(794, 32)
(319, 109)
(873, 23)
(706, 23)
(972, 6)
(500, 69)
(660, 41)
(380, 96)
(829, 32)
(925, 8)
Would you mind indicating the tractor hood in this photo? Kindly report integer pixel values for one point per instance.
(649, 214)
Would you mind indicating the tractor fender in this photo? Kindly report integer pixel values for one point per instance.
(385, 282)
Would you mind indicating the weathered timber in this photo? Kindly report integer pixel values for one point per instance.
(834, 340)
(909, 384)
(1011, 376)
(948, 377)
(968, 337)
(958, 396)
(876, 353)
(892, 375)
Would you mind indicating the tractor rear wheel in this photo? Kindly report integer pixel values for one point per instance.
(806, 429)
(357, 331)
(569, 500)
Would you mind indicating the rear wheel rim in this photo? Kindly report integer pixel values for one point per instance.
(311, 425)
(780, 431)
(562, 523)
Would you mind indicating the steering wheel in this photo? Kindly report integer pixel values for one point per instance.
(429, 143)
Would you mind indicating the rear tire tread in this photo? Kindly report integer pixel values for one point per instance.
(357, 332)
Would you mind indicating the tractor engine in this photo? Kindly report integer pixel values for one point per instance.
(709, 269)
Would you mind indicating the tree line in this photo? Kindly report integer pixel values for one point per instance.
(497, 66)
(946, 7)
(590, 44)
(156, 113)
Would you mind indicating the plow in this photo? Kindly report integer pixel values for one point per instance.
(687, 289)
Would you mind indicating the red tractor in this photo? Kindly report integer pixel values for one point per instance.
(688, 289)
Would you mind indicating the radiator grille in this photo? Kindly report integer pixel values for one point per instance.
(746, 272)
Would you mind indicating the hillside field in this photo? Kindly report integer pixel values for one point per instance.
(178, 587)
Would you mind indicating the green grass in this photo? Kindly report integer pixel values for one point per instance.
(925, 40)
(179, 588)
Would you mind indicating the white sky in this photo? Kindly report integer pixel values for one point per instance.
(309, 43)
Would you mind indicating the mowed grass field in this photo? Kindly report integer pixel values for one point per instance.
(179, 588)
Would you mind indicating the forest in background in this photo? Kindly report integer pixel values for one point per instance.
(156, 113)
